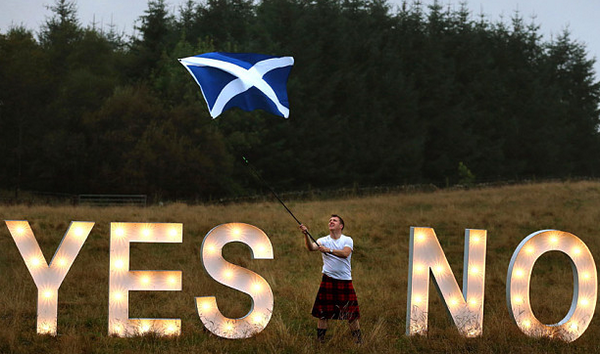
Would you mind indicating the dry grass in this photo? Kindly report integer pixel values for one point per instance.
(380, 227)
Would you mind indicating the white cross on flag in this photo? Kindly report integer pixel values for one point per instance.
(246, 80)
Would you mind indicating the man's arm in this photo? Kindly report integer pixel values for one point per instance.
(343, 253)
(310, 245)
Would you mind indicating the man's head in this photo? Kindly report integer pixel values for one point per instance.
(336, 222)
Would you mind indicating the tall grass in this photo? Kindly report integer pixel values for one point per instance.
(380, 227)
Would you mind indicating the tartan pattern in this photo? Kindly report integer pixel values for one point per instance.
(336, 300)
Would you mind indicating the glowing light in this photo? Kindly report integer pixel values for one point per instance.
(573, 326)
(519, 273)
(473, 302)
(576, 251)
(257, 287)
(174, 232)
(210, 249)
(145, 280)
(48, 294)
(439, 269)
(61, 262)
(171, 329)
(584, 302)
(117, 296)
(145, 327)
(35, 262)
(474, 270)
(454, 301)
(118, 329)
(228, 273)
(146, 232)
(526, 323)
(419, 268)
(236, 232)
(530, 249)
(78, 231)
(417, 299)
(586, 276)
(474, 332)
(20, 230)
(120, 232)
(228, 327)
(420, 236)
(119, 264)
(257, 318)
(206, 306)
(518, 300)
(553, 239)
(475, 239)
(46, 328)
(172, 280)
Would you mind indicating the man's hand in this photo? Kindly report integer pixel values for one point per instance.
(310, 245)
(303, 228)
(324, 249)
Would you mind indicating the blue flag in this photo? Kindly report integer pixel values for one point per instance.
(245, 80)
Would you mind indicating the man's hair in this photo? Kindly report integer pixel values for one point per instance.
(341, 220)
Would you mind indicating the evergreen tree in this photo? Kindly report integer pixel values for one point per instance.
(156, 37)
(23, 94)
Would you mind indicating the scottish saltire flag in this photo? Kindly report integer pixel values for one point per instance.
(245, 80)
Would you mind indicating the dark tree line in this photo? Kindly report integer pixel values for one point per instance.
(378, 95)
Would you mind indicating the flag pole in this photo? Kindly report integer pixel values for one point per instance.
(255, 172)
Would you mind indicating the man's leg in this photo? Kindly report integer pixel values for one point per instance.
(355, 330)
(321, 329)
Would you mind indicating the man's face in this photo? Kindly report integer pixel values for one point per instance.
(335, 224)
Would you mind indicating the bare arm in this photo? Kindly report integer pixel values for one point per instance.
(343, 253)
(310, 245)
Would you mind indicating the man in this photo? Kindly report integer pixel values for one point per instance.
(336, 298)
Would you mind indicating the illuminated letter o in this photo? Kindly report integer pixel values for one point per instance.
(584, 285)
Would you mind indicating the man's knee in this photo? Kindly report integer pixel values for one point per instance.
(322, 323)
(354, 324)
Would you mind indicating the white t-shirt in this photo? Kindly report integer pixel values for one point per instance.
(333, 266)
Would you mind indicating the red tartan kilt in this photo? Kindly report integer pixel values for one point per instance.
(336, 300)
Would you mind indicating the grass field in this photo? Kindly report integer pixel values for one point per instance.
(380, 226)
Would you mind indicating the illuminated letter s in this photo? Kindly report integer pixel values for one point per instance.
(238, 278)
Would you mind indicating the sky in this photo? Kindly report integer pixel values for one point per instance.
(579, 16)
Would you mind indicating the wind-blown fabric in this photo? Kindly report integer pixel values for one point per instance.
(246, 80)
